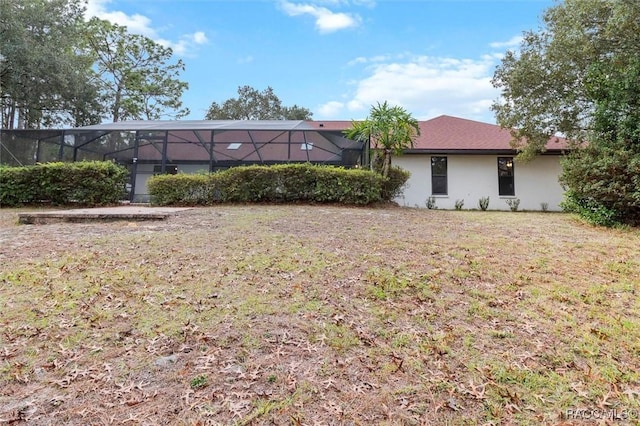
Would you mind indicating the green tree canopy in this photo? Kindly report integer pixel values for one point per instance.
(603, 178)
(544, 84)
(136, 76)
(389, 128)
(580, 76)
(252, 104)
(44, 79)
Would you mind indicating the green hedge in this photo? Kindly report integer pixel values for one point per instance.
(90, 183)
(395, 183)
(271, 184)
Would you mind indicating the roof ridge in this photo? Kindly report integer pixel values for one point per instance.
(461, 119)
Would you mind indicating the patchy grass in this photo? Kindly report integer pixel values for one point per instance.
(314, 314)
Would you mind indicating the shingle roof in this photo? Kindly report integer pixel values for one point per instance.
(451, 133)
(446, 133)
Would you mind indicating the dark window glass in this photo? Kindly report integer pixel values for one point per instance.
(169, 169)
(506, 184)
(439, 175)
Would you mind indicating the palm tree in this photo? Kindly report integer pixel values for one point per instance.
(389, 129)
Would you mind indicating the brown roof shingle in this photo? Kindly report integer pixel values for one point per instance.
(446, 133)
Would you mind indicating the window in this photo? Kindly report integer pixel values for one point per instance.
(306, 146)
(505, 176)
(439, 175)
(169, 169)
(234, 145)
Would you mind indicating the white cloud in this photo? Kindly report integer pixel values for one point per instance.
(184, 46)
(426, 86)
(378, 59)
(358, 60)
(368, 3)
(512, 42)
(331, 109)
(140, 24)
(357, 105)
(326, 20)
(179, 47)
(136, 23)
(200, 38)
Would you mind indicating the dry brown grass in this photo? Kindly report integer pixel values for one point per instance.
(319, 315)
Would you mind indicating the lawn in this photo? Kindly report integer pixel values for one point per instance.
(310, 315)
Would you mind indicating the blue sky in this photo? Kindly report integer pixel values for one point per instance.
(337, 57)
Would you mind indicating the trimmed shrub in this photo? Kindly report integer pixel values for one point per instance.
(96, 183)
(296, 182)
(180, 189)
(250, 184)
(271, 184)
(91, 183)
(395, 183)
(16, 187)
(347, 186)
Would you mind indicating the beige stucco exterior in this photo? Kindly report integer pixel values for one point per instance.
(470, 177)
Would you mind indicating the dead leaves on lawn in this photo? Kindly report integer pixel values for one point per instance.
(318, 315)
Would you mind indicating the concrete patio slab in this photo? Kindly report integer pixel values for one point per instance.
(100, 214)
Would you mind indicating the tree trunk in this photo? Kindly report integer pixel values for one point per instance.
(9, 110)
(116, 104)
(386, 165)
(21, 118)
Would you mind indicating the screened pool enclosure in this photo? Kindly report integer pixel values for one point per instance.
(153, 147)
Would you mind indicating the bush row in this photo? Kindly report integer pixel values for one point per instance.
(272, 184)
(91, 183)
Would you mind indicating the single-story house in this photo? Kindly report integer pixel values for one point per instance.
(453, 160)
(459, 160)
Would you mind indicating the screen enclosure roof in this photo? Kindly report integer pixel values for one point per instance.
(159, 125)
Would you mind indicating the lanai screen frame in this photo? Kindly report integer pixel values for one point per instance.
(204, 143)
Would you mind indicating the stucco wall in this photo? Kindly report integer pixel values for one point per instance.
(471, 177)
